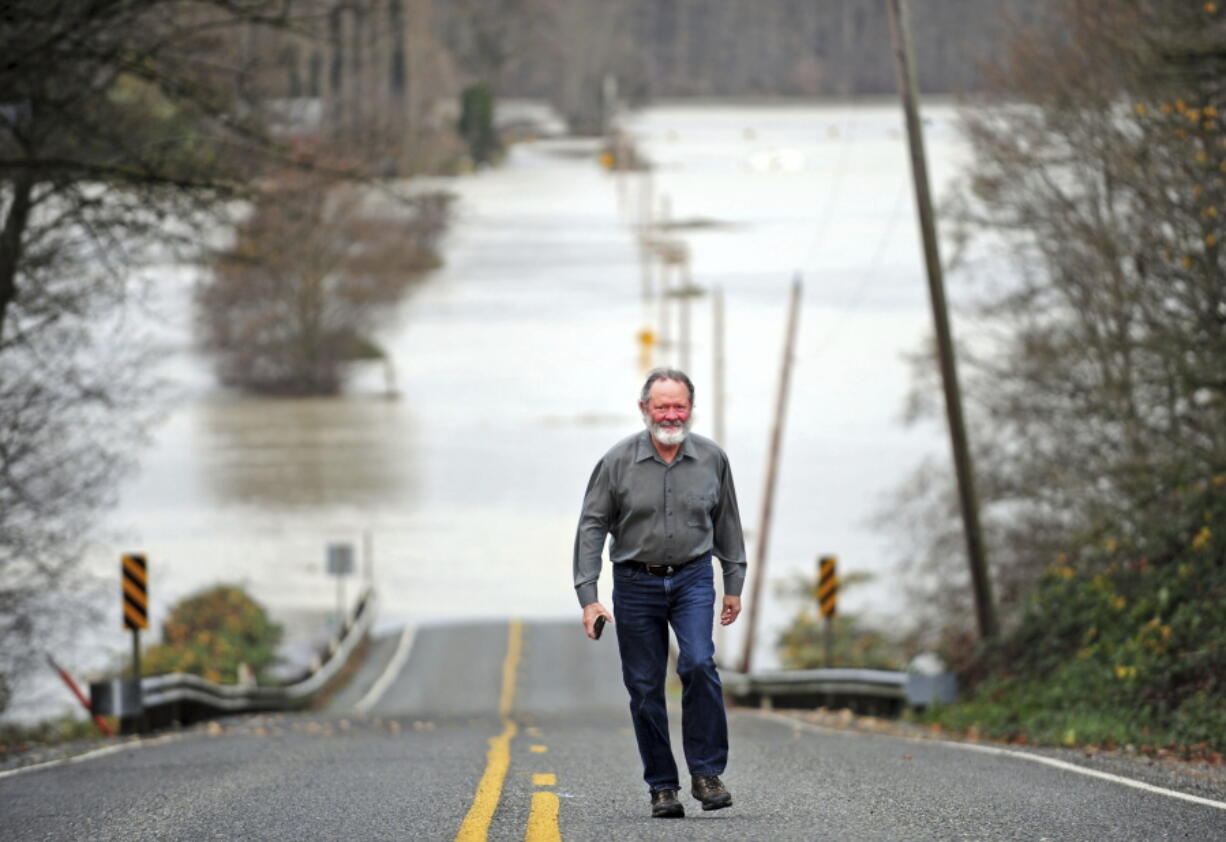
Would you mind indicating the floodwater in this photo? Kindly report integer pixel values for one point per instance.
(518, 364)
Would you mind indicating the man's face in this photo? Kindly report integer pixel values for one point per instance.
(667, 412)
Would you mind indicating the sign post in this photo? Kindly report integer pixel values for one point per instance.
(340, 565)
(134, 585)
(827, 599)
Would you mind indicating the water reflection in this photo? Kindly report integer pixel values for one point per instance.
(305, 452)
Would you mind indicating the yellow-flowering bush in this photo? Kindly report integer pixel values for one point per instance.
(211, 632)
(1133, 652)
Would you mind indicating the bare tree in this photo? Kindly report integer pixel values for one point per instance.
(488, 35)
(716, 47)
(1096, 382)
(585, 41)
(124, 125)
(313, 267)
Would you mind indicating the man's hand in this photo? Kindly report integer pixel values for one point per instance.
(732, 610)
(590, 612)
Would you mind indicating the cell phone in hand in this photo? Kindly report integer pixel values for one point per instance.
(598, 626)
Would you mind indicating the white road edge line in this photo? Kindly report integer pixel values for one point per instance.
(1004, 752)
(90, 755)
(393, 668)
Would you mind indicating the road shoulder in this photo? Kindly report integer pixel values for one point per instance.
(1195, 778)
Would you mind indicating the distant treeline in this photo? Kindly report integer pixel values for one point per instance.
(398, 65)
(665, 48)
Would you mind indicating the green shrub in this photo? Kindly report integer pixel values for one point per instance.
(1123, 640)
(476, 124)
(855, 643)
(802, 645)
(210, 633)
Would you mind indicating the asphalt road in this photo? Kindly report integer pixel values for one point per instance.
(503, 731)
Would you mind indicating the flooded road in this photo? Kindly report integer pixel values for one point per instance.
(518, 366)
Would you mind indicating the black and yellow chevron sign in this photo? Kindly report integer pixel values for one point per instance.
(827, 585)
(135, 580)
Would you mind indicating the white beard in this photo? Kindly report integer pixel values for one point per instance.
(668, 435)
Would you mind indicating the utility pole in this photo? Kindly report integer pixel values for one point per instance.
(665, 252)
(368, 556)
(683, 314)
(772, 463)
(646, 233)
(905, 63)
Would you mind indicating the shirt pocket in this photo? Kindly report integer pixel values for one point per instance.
(698, 506)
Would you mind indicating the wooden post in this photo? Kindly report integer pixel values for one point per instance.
(663, 300)
(772, 463)
(340, 603)
(904, 61)
(645, 235)
(664, 332)
(368, 556)
(620, 167)
(390, 390)
(683, 317)
(645, 269)
(135, 723)
(646, 203)
(136, 668)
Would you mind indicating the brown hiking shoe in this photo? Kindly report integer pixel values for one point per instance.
(664, 805)
(710, 790)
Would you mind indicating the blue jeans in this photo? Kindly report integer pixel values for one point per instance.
(644, 606)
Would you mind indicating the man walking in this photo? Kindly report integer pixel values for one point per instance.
(667, 499)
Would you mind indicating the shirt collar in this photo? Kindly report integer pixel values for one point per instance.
(646, 449)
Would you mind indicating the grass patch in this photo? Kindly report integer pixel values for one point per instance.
(63, 729)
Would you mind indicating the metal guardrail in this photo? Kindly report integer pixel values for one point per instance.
(864, 690)
(179, 698)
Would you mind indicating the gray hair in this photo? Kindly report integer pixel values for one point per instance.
(666, 374)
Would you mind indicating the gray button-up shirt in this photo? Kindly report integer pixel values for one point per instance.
(659, 513)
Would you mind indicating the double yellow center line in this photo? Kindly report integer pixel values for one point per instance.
(543, 819)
